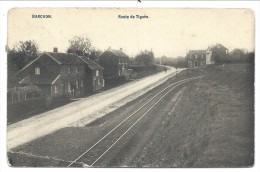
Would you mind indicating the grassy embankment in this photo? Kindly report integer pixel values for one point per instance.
(213, 123)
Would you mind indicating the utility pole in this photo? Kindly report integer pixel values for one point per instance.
(176, 71)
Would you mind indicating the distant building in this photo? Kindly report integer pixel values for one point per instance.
(215, 53)
(200, 58)
(58, 74)
(196, 58)
(115, 63)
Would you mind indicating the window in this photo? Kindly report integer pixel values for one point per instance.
(77, 69)
(56, 89)
(37, 71)
(196, 56)
(77, 84)
(69, 88)
(123, 66)
(69, 69)
(81, 84)
(99, 81)
(97, 72)
(119, 72)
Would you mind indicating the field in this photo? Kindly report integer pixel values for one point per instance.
(212, 125)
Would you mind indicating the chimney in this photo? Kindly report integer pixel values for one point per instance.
(109, 48)
(121, 49)
(55, 49)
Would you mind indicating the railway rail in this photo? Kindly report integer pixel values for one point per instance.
(99, 149)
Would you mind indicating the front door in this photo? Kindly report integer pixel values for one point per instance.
(94, 84)
(196, 63)
(63, 88)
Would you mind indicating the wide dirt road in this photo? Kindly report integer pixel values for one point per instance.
(207, 122)
(83, 111)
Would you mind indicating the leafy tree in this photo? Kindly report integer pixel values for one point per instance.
(18, 56)
(80, 44)
(179, 61)
(251, 57)
(241, 56)
(94, 54)
(22, 53)
(238, 55)
(145, 58)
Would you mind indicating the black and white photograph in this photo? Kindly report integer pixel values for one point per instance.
(130, 87)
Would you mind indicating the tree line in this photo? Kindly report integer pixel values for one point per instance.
(25, 51)
(179, 62)
(237, 56)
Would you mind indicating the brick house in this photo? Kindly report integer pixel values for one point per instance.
(216, 52)
(59, 74)
(115, 63)
(196, 58)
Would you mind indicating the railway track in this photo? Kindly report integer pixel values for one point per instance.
(99, 149)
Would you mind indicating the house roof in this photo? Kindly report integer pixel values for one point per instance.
(39, 79)
(65, 58)
(118, 53)
(197, 51)
(91, 64)
(217, 46)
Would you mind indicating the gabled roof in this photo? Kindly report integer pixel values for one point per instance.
(39, 56)
(66, 59)
(39, 79)
(217, 46)
(197, 51)
(118, 53)
(91, 64)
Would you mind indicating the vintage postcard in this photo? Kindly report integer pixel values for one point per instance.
(130, 87)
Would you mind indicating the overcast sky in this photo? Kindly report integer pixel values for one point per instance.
(167, 32)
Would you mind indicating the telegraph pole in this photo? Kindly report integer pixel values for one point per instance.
(176, 71)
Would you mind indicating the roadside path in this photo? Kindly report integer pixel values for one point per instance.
(82, 112)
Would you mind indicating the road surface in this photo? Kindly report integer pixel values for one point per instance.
(83, 111)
